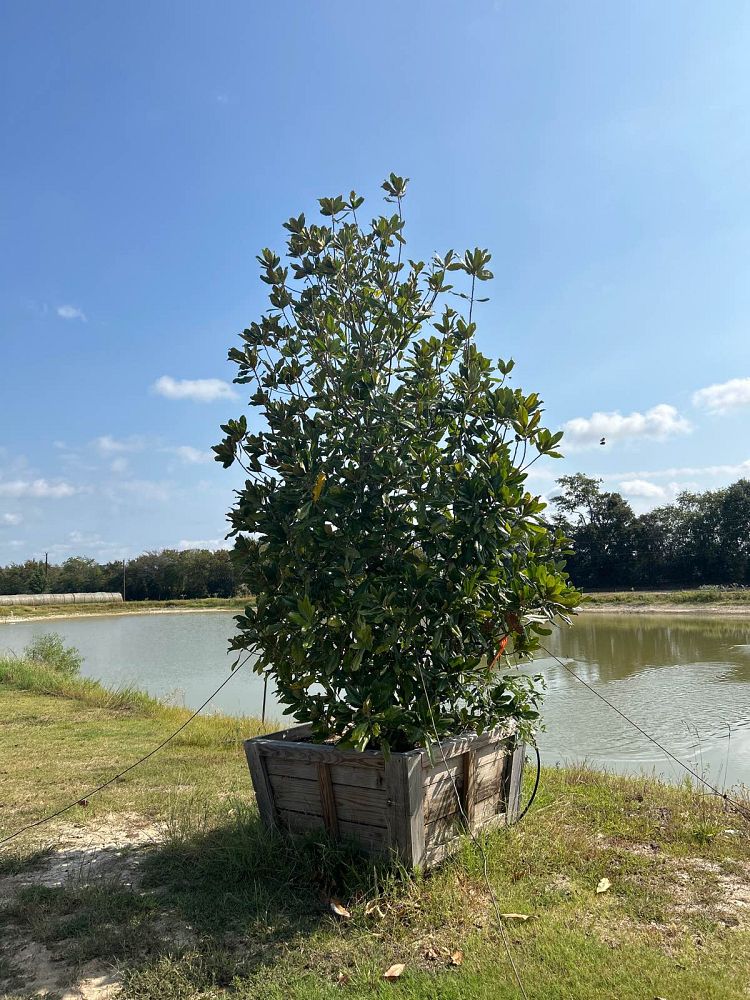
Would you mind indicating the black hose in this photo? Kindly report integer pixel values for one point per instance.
(536, 787)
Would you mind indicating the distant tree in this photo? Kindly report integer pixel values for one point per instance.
(79, 575)
(35, 581)
(221, 579)
(601, 528)
(735, 533)
(657, 549)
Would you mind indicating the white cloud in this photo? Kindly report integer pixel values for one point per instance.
(193, 456)
(119, 465)
(660, 422)
(642, 488)
(109, 445)
(36, 488)
(723, 396)
(738, 470)
(143, 490)
(205, 543)
(71, 312)
(200, 390)
(11, 519)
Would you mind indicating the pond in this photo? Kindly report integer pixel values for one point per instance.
(684, 678)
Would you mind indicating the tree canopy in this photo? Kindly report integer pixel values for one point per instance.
(399, 548)
(700, 539)
(165, 575)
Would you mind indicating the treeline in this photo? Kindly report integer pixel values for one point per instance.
(153, 576)
(700, 539)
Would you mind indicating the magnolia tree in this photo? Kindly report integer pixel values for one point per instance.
(400, 559)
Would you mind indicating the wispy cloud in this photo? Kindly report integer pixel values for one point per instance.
(642, 488)
(71, 312)
(199, 390)
(738, 469)
(142, 490)
(81, 542)
(191, 455)
(204, 543)
(724, 396)
(660, 422)
(40, 489)
(109, 445)
(11, 519)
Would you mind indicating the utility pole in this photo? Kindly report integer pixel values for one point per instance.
(46, 569)
(123, 579)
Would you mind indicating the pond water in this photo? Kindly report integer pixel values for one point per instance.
(684, 678)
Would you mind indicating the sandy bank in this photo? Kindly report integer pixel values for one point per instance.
(695, 610)
(63, 615)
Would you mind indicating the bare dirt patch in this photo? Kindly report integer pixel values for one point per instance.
(730, 891)
(107, 850)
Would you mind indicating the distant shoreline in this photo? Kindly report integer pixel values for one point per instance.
(697, 610)
(625, 603)
(49, 612)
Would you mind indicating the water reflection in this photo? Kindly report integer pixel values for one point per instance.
(685, 679)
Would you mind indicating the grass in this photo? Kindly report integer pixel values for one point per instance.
(216, 907)
(22, 611)
(666, 598)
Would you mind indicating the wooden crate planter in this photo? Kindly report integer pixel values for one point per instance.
(405, 805)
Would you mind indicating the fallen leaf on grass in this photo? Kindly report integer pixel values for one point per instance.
(515, 916)
(457, 957)
(430, 953)
(343, 978)
(394, 972)
(372, 909)
(604, 884)
(338, 908)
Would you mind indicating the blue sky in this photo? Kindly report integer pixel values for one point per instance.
(601, 151)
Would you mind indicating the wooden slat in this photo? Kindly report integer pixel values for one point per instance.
(470, 787)
(444, 828)
(485, 754)
(261, 784)
(405, 797)
(327, 800)
(445, 809)
(460, 744)
(341, 774)
(440, 795)
(313, 752)
(370, 838)
(357, 805)
(438, 851)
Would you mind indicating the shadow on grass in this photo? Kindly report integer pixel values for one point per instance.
(208, 907)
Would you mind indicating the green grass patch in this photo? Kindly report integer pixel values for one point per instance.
(217, 907)
(659, 598)
(125, 608)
